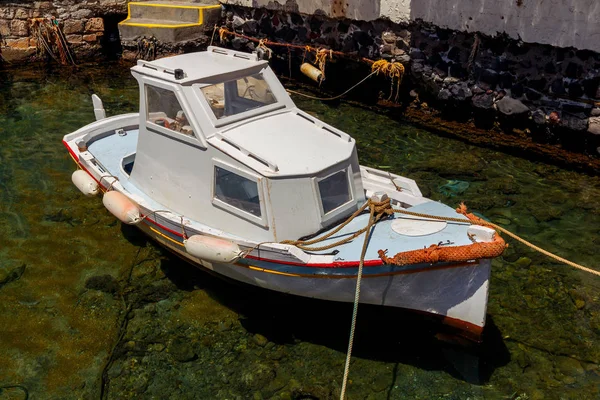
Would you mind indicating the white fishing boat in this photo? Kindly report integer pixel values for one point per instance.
(221, 167)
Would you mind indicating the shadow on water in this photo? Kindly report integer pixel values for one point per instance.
(382, 333)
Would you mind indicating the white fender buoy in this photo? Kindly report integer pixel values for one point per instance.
(121, 207)
(312, 72)
(212, 249)
(85, 183)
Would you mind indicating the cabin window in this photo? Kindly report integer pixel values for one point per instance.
(237, 191)
(334, 191)
(163, 109)
(238, 96)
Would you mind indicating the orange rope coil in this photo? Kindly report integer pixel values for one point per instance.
(440, 253)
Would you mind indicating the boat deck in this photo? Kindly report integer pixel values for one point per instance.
(384, 237)
(111, 150)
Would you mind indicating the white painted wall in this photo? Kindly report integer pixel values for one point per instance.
(561, 23)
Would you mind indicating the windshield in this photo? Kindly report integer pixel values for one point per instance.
(238, 96)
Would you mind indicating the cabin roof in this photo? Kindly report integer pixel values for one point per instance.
(212, 66)
(288, 143)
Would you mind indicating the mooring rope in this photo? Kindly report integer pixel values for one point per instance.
(334, 97)
(462, 209)
(372, 220)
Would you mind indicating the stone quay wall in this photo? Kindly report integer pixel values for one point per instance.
(536, 93)
(81, 22)
(572, 23)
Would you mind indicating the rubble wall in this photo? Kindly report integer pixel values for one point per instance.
(534, 93)
(572, 23)
(81, 22)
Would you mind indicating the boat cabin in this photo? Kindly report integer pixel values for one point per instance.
(221, 142)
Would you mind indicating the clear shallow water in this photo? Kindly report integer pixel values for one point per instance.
(86, 303)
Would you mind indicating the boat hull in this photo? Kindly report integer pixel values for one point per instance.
(454, 294)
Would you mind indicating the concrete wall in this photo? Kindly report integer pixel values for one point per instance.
(366, 10)
(563, 23)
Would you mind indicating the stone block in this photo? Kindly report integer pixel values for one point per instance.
(94, 25)
(574, 122)
(21, 13)
(510, 106)
(4, 27)
(43, 5)
(19, 27)
(389, 37)
(91, 38)
(71, 26)
(84, 13)
(594, 126)
(7, 12)
(17, 54)
(42, 9)
(74, 39)
(18, 43)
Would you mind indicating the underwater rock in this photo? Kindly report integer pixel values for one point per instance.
(545, 214)
(260, 376)
(454, 188)
(260, 340)
(523, 262)
(182, 351)
(502, 221)
(225, 326)
(577, 299)
(381, 382)
(103, 283)
(61, 216)
(569, 366)
(534, 302)
(11, 275)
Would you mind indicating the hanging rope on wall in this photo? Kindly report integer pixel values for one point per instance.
(51, 40)
(392, 70)
(146, 48)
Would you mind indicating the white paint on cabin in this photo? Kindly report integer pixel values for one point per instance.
(278, 148)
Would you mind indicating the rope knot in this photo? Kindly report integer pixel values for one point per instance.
(262, 46)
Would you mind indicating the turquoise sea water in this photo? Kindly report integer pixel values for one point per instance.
(89, 308)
